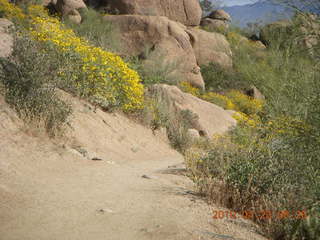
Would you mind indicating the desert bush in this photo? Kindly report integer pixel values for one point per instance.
(231, 100)
(283, 77)
(102, 75)
(155, 113)
(260, 168)
(219, 79)
(244, 103)
(11, 11)
(154, 68)
(30, 79)
(158, 113)
(96, 30)
(188, 88)
(220, 100)
(177, 129)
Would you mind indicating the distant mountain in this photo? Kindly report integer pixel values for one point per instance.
(262, 11)
(266, 11)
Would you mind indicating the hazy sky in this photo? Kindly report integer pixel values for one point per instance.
(235, 2)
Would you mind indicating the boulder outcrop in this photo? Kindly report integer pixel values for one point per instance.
(210, 47)
(156, 38)
(70, 9)
(187, 12)
(220, 15)
(217, 20)
(213, 25)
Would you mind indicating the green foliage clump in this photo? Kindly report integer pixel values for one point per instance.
(264, 167)
(219, 79)
(158, 114)
(30, 79)
(154, 68)
(97, 31)
(178, 130)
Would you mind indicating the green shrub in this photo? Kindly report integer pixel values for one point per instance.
(177, 129)
(157, 114)
(96, 30)
(30, 79)
(268, 171)
(155, 69)
(219, 79)
(244, 103)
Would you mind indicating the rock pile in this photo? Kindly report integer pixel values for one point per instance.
(165, 30)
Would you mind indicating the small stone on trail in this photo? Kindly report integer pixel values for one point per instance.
(148, 177)
(104, 210)
(145, 176)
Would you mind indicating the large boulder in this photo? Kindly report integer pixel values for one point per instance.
(6, 39)
(211, 118)
(70, 9)
(217, 20)
(214, 25)
(255, 93)
(187, 12)
(220, 15)
(210, 47)
(158, 39)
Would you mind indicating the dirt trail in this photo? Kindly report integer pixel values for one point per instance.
(53, 191)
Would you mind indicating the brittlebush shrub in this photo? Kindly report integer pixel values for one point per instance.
(220, 100)
(232, 100)
(188, 88)
(244, 103)
(99, 74)
(30, 78)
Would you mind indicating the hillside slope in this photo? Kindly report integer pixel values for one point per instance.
(51, 190)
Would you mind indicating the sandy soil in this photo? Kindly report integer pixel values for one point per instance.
(135, 188)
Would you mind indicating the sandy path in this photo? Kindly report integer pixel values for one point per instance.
(50, 192)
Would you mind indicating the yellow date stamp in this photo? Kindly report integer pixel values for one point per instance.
(260, 215)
